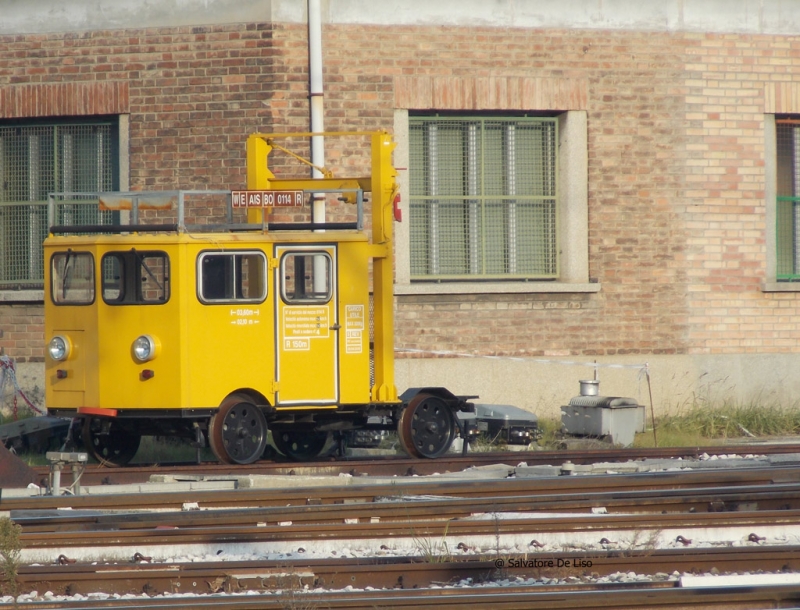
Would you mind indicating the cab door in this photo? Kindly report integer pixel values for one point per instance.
(307, 364)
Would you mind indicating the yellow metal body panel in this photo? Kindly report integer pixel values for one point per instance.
(354, 320)
(209, 350)
(306, 333)
(382, 182)
(227, 346)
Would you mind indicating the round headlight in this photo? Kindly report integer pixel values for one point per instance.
(144, 348)
(58, 348)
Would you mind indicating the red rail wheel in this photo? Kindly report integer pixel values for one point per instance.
(427, 427)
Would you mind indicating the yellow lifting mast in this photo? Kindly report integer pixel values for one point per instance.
(383, 185)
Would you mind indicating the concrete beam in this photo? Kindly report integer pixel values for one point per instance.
(722, 16)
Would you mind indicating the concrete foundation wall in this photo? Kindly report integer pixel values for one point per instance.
(678, 382)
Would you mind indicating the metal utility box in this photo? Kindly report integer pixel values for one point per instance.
(593, 415)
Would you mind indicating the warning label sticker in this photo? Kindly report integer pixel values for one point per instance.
(311, 322)
(354, 329)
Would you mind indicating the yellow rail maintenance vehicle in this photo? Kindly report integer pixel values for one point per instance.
(221, 333)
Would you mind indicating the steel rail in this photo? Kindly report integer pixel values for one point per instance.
(367, 492)
(490, 598)
(392, 465)
(361, 527)
(405, 508)
(388, 572)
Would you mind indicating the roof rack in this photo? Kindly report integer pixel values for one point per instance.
(134, 201)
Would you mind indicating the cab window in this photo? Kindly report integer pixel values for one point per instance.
(135, 277)
(306, 277)
(225, 277)
(72, 278)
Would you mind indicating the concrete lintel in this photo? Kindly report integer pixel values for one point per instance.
(718, 16)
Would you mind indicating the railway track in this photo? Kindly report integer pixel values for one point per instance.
(208, 577)
(516, 511)
(396, 572)
(701, 491)
(490, 598)
(451, 502)
(517, 532)
(417, 542)
(392, 465)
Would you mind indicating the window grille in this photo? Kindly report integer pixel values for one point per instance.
(483, 198)
(788, 203)
(37, 159)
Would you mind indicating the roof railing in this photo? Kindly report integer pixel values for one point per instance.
(134, 201)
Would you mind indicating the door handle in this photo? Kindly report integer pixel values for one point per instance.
(335, 327)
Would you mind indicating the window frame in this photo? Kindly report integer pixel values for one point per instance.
(496, 242)
(308, 300)
(573, 219)
(133, 297)
(55, 277)
(32, 290)
(232, 254)
(771, 281)
(787, 245)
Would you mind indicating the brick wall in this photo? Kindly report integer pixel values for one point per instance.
(676, 167)
(725, 82)
(22, 332)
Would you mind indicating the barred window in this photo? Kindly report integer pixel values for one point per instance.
(788, 200)
(39, 157)
(483, 198)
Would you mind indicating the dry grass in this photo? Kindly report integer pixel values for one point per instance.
(9, 555)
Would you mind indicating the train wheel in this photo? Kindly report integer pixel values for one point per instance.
(112, 446)
(407, 446)
(300, 445)
(427, 427)
(237, 433)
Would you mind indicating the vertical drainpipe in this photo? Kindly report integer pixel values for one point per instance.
(316, 98)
